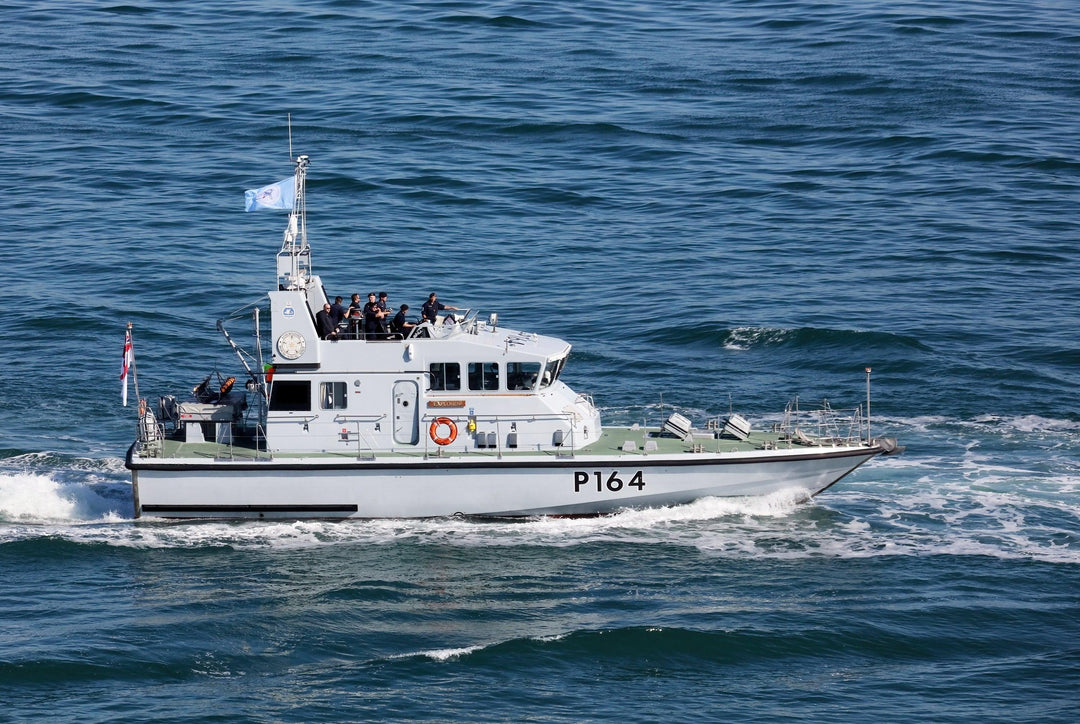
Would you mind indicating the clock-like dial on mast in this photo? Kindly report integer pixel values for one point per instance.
(291, 345)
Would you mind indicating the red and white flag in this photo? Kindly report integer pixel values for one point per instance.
(125, 365)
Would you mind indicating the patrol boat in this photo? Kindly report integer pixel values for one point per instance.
(456, 417)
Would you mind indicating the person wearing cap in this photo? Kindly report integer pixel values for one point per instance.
(372, 315)
(432, 307)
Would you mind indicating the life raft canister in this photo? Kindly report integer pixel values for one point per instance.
(434, 431)
(227, 385)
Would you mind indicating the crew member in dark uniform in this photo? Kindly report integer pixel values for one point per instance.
(337, 311)
(355, 315)
(372, 316)
(384, 305)
(432, 307)
(324, 323)
(400, 325)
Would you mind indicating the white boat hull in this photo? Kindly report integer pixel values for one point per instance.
(523, 486)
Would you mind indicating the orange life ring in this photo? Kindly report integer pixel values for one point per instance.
(434, 431)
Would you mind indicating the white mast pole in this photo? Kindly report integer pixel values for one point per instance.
(867, 405)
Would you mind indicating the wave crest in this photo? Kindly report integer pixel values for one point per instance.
(745, 338)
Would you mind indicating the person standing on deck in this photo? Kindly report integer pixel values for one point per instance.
(337, 311)
(355, 315)
(384, 305)
(372, 317)
(324, 323)
(431, 308)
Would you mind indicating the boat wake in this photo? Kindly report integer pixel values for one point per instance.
(874, 517)
(37, 498)
(964, 487)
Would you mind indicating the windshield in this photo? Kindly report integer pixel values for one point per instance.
(552, 370)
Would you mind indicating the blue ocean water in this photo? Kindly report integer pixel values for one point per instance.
(724, 203)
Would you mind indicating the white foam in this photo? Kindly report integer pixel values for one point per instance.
(648, 525)
(1021, 519)
(34, 498)
(743, 338)
(862, 522)
(1029, 423)
(550, 638)
(44, 460)
(983, 424)
(442, 654)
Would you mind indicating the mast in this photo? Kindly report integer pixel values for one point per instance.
(869, 440)
(294, 258)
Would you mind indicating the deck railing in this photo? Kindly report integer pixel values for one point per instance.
(365, 444)
(824, 426)
(504, 425)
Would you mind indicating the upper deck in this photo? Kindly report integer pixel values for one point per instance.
(297, 344)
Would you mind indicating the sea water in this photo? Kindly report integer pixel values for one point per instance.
(721, 205)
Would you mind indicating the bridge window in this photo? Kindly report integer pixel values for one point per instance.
(522, 375)
(483, 375)
(290, 396)
(335, 396)
(445, 375)
(552, 372)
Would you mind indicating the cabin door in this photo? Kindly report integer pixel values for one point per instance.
(406, 413)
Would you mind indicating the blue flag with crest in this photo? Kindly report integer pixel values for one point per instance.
(274, 196)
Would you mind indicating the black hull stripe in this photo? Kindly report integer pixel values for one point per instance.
(250, 508)
(691, 460)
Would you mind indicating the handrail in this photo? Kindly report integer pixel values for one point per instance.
(150, 444)
(825, 424)
(819, 427)
(360, 434)
(429, 417)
